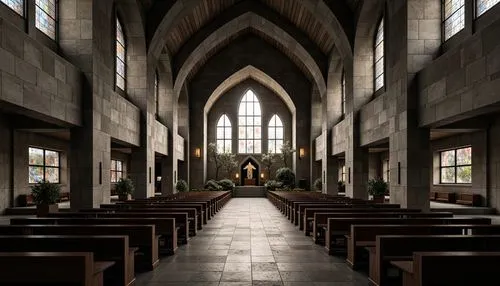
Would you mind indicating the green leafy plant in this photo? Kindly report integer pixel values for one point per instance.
(272, 185)
(45, 193)
(286, 152)
(286, 177)
(318, 184)
(124, 187)
(377, 187)
(212, 185)
(226, 184)
(182, 186)
(268, 160)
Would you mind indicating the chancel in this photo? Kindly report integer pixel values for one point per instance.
(249, 142)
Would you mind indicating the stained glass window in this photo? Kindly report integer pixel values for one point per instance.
(157, 94)
(386, 171)
(456, 166)
(343, 93)
(43, 165)
(379, 56)
(116, 170)
(224, 135)
(121, 66)
(275, 134)
(249, 124)
(16, 5)
(453, 17)
(484, 5)
(45, 17)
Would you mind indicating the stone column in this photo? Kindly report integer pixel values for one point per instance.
(356, 162)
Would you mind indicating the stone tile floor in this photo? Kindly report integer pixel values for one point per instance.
(249, 242)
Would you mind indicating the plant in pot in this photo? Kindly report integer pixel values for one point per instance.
(286, 177)
(45, 195)
(124, 188)
(182, 186)
(377, 188)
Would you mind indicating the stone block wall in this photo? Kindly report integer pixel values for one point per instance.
(125, 120)
(161, 135)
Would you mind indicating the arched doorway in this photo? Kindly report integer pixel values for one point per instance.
(246, 166)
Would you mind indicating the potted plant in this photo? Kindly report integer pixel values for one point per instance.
(377, 188)
(181, 186)
(124, 188)
(226, 184)
(286, 177)
(45, 195)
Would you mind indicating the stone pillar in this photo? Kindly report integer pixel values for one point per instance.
(330, 168)
(356, 162)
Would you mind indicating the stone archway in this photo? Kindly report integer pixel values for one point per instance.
(243, 171)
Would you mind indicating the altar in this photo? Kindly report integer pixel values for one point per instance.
(249, 172)
(250, 182)
(249, 192)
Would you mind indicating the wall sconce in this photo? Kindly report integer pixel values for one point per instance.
(197, 152)
(302, 153)
(237, 176)
(262, 175)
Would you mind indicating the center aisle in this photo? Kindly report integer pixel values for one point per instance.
(249, 242)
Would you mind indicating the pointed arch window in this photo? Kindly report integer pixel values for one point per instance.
(121, 51)
(249, 124)
(379, 56)
(224, 135)
(343, 93)
(276, 134)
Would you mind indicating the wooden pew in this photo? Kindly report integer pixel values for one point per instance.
(451, 268)
(308, 216)
(164, 227)
(141, 236)
(337, 228)
(362, 236)
(401, 247)
(201, 216)
(202, 207)
(321, 220)
(35, 268)
(192, 214)
(105, 248)
(181, 219)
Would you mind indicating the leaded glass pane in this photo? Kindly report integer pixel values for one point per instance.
(119, 165)
(45, 17)
(35, 156)
(52, 175)
(52, 158)
(257, 146)
(220, 133)
(448, 158)
(113, 177)
(249, 124)
(35, 174)
(484, 5)
(454, 17)
(448, 175)
(16, 5)
(464, 156)
(120, 61)
(379, 52)
(224, 134)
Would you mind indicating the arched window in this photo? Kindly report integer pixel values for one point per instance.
(157, 94)
(276, 134)
(484, 5)
(379, 56)
(224, 135)
(46, 17)
(16, 5)
(121, 51)
(249, 124)
(453, 17)
(343, 93)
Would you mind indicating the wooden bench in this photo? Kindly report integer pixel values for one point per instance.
(338, 228)
(191, 212)
(321, 220)
(362, 236)
(202, 207)
(105, 248)
(469, 199)
(35, 268)
(450, 268)
(447, 197)
(401, 247)
(181, 219)
(141, 236)
(164, 227)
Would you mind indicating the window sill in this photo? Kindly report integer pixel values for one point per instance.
(453, 185)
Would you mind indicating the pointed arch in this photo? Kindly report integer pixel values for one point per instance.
(249, 124)
(224, 134)
(275, 134)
